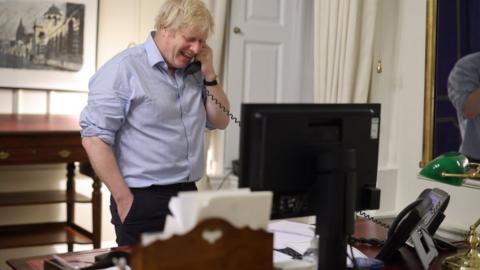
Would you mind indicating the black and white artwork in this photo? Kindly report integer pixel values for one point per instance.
(47, 44)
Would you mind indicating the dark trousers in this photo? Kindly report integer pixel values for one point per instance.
(148, 212)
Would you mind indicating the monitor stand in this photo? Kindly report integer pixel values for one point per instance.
(335, 201)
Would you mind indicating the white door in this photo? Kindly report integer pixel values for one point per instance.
(269, 57)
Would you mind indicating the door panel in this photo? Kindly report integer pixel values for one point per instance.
(261, 74)
(265, 57)
(264, 11)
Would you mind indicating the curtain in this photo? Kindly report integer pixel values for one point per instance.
(343, 50)
(213, 139)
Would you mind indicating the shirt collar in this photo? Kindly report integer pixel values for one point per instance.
(153, 53)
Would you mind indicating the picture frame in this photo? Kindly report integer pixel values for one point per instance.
(48, 44)
(451, 33)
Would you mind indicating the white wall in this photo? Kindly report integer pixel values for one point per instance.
(383, 92)
(408, 97)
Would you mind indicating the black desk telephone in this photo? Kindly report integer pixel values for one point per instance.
(424, 213)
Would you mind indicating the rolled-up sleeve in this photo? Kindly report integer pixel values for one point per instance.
(463, 80)
(108, 100)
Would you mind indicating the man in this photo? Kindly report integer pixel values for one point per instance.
(143, 127)
(464, 93)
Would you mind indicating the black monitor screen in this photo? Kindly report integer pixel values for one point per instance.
(286, 148)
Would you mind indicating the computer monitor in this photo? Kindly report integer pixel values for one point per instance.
(318, 159)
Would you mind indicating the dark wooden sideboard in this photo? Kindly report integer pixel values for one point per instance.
(41, 139)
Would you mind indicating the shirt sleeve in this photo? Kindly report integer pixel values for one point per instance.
(108, 101)
(463, 80)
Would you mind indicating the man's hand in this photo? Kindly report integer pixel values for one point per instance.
(206, 57)
(124, 205)
(105, 165)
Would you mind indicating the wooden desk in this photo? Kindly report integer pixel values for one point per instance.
(39, 139)
(363, 228)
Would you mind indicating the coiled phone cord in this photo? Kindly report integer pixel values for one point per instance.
(370, 241)
(222, 107)
(191, 70)
(374, 220)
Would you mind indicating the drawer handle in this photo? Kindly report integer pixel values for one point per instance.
(4, 155)
(64, 153)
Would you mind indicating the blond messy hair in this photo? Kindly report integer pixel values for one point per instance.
(179, 14)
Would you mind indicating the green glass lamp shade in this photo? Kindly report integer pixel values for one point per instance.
(451, 162)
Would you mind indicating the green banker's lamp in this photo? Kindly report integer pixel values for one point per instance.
(454, 168)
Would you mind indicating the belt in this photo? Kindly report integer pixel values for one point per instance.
(177, 186)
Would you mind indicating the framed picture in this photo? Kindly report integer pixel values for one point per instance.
(48, 44)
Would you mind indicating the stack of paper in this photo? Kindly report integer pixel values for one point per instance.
(241, 208)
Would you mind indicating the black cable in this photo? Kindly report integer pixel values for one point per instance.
(218, 103)
(368, 241)
(374, 220)
(224, 179)
(223, 108)
(290, 252)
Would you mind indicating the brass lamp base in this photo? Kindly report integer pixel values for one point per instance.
(469, 261)
(462, 262)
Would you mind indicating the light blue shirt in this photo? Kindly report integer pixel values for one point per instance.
(154, 122)
(463, 80)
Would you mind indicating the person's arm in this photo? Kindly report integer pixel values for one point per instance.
(464, 86)
(108, 100)
(471, 108)
(105, 165)
(215, 114)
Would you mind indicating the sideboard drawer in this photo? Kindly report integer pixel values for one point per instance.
(40, 140)
(31, 155)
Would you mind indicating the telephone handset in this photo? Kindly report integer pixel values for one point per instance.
(194, 67)
(424, 213)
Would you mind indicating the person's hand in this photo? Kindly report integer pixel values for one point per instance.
(123, 206)
(205, 56)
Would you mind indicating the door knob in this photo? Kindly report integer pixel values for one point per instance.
(237, 30)
(379, 66)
